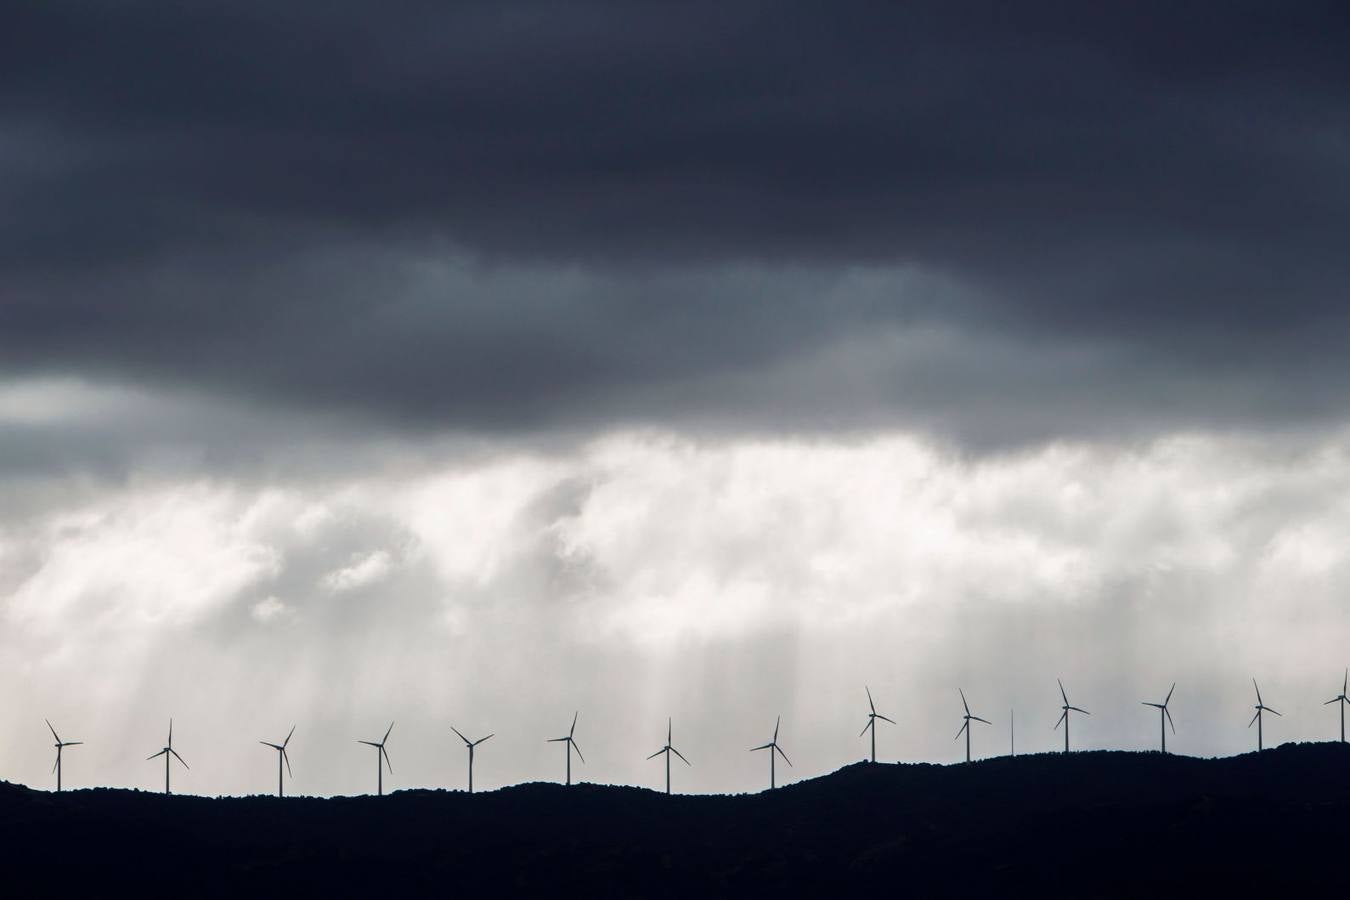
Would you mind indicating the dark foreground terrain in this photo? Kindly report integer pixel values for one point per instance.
(1089, 825)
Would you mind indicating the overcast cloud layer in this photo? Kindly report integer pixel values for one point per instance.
(496, 216)
(477, 362)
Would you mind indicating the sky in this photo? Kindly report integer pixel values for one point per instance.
(477, 364)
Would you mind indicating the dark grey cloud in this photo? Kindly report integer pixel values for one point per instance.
(659, 209)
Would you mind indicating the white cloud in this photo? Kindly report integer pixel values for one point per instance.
(270, 609)
(650, 573)
(366, 570)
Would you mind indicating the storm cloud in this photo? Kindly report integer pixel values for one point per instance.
(509, 216)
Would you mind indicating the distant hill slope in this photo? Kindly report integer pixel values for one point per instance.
(1089, 824)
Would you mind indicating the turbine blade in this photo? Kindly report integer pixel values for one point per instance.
(657, 753)
(1062, 716)
(985, 721)
(578, 749)
(72, 743)
(1168, 714)
(1258, 691)
(681, 756)
(760, 747)
(869, 698)
(288, 736)
(153, 755)
(865, 727)
(884, 719)
(777, 722)
(1081, 710)
(170, 732)
(385, 754)
(1332, 700)
(179, 758)
(480, 740)
(1269, 710)
(556, 740)
(964, 726)
(963, 701)
(1254, 718)
(669, 730)
(287, 757)
(573, 730)
(1169, 694)
(368, 743)
(386, 734)
(56, 762)
(782, 754)
(1061, 692)
(53, 731)
(461, 736)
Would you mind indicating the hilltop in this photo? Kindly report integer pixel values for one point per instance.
(1098, 824)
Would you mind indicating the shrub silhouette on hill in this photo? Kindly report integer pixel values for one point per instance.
(1087, 824)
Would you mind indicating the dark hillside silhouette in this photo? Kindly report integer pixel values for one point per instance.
(1093, 824)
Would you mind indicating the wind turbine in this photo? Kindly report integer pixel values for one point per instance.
(167, 752)
(1064, 716)
(1256, 719)
(471, 744)
(667, 750)
(774, 749)
(381, 755)
(965, 726)
(571, 745)
(1164, 716)
(872, 722)
(61, 745)
(281, 755)
(1341, 701)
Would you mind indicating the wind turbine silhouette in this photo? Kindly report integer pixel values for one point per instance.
(381, 755)
(965, 726)
(1064, 716)
(571, 745)
(167, 752)
(1341, 702)
(471, 744)
(774, 749)
(667, 750)
(1164, 716)
(1256, 719)
(61, 745)
(872, 722)
(281, 755)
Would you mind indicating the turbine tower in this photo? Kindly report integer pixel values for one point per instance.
(965, 726)
(1064, 716)
(1164, 716)
(571, 745)
(1341, 702)
(282, 756)
(774, 750)
(1257, 720)
(62, 745)
(872, 722)
(667, 750)
(381, 755)
(167, 752)
(471, 744)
